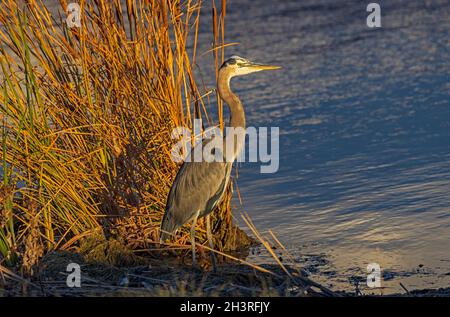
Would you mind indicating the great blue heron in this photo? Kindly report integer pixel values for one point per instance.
(200, 186)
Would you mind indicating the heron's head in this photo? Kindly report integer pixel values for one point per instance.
(238, 66)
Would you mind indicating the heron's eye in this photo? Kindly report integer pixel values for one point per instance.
(231, 62)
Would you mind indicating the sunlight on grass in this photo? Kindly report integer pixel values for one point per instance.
(87, 115)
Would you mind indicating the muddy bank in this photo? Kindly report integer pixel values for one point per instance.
(161, 278)
(169, 278)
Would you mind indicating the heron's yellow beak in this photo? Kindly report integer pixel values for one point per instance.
(263, 67)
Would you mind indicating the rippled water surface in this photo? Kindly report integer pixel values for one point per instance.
(364, 117)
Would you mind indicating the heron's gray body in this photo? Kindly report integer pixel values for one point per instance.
(200, 186)
(197, 189)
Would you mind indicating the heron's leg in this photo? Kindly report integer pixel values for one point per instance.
(210, 240)
(194, 222)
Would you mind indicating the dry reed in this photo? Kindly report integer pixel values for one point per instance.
(87, 114)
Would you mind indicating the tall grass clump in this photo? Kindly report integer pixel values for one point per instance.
(86, 119)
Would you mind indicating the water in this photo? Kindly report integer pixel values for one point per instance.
(364, 117)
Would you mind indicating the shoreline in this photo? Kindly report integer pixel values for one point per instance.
(168, 278)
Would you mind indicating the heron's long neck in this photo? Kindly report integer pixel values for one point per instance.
(237, 114)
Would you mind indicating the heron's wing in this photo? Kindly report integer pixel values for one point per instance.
(197, 188)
